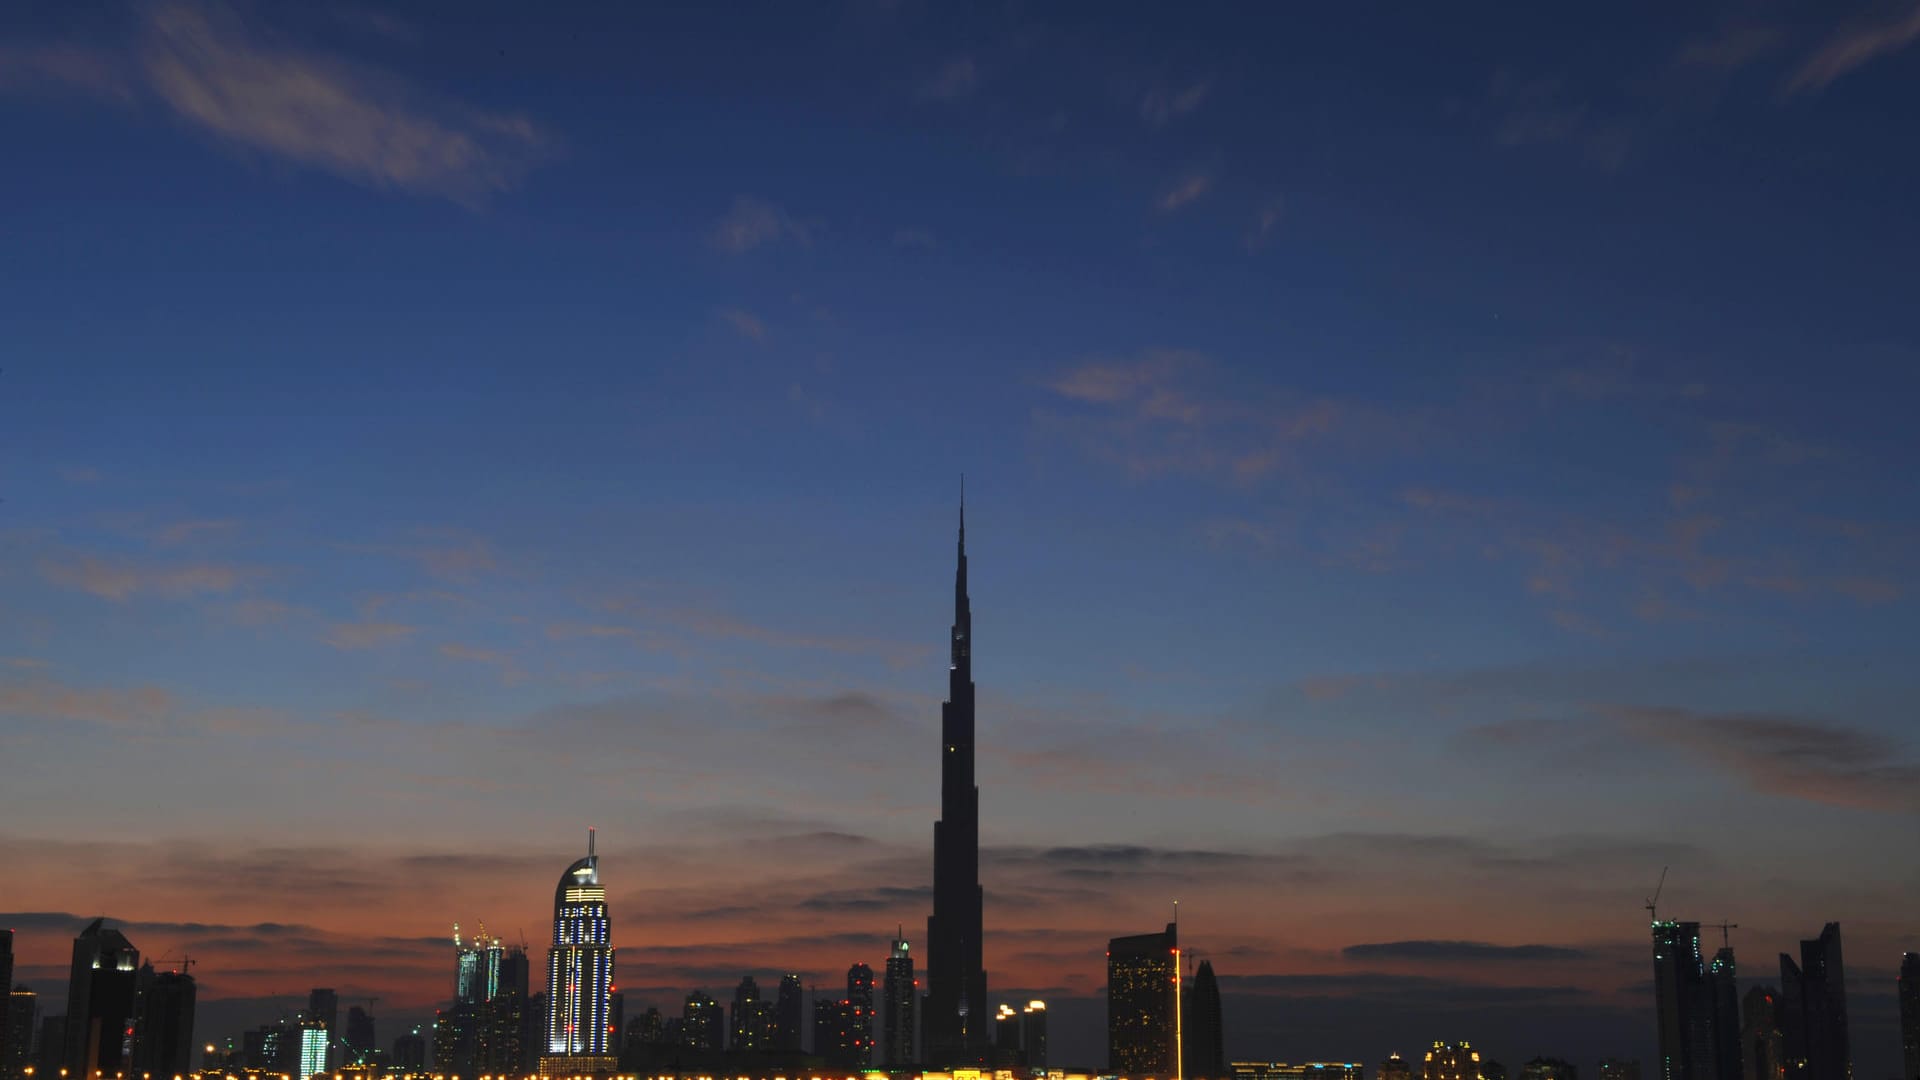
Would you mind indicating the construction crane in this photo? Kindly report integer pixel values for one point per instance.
(1725, 938)
(1654, 900)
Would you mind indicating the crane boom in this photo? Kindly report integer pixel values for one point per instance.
(1654, 900)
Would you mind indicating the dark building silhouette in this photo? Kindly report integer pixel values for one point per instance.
(1142, 975)
(897, 995)
(1813, 1010)
(100, 989)
(1724, 1003)
(1762, 1045)
(23, 1009)
(1203, 1036)
(1006, 1036)
(410, 1052)
(1492, 1070)
(580, 963)
(359, 1035)
(1033, 1033)
(956, 977)
(1618, 1069)
(163, 1023)
(1910, 1016)
(507, 1044)
(789, 1015)
(1451, 1061)
(52, 1055)
(703, 1023)
(6, 1002)
(324, 1005)
(860, 1014)
(752, 1019)
(1685, 1004)
(1548, 1068)
(1396, 1068)
(648, 1029)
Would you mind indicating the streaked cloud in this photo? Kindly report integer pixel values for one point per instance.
(1855, 45)
(1813, 760)
(123, 579)
(367, 635)
(955, 79)
(753, 222)
(1162, 105)
(1187, 189)
(1454, 952)
(745, 323)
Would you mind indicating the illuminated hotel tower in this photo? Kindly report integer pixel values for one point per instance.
(580, 965)
(956, 979)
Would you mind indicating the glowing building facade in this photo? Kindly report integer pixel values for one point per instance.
(1451, 1061)
(580, 965)
(1143, 1001)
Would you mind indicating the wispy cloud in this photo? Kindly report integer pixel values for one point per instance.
(1539, 113)
(746, 323)
(122, 579)
(1813, 760)
(914, 238)
(1186, 190)
(367, 635)
(1162, 105)
(1856, 45)
(955, 79)
(754, 222)
(1264, 221)
(255, 91)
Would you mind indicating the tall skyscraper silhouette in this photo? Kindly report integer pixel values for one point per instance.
(580, 964)
(163, 1023)
(1762, 1046)
(789, 1015)
(1204, 1039)
(703, 1023)
(897, 994)
(1813, 1006)
(6, 985)
(1910, 1016)
(1142, 976)
(1685, 996)
(1724, 1003)
(956, 1016)
(753, 1019)
(23, 1008)
(100, 989)
(1033, 1033)
(860, 1014)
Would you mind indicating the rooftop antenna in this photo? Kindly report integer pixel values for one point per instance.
(1655, 898)
(1725, 938)
(589, 841)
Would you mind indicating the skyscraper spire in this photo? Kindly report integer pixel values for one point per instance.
(956, 977)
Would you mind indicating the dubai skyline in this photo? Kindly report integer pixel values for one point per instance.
(1426, 476)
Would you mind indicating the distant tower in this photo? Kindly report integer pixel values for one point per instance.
(956, 975)
(360, 1038)
(1813, 1006)
(100, 989)
(1724, 1010)
(860, 1013)
(6, 1002)
(22, 1010)
(897, 994)
(789, 1014)
(1546, 1068)
(1910, 1015)
(752, 1019)
(1451, 1061)
(703, 1023)
(1204, 1041)
(1141, 977)
(1762, 1045)
(580, 964)
(163, 1026)
(1395, 1068)
(1033, 1033)
(1684, 1003)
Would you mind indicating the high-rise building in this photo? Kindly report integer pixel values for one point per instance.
(860, 1015)
(410, 1052)
(789, 1015)
(359, 1038)
(1203, 1037)
(703, 1023)
(648, 1029)
(52, 1055)
(100, 988)
(504, 1017)
(313, 1049)
(1547, 1068)
(580, 964)
(163, 1023)
(1006, 1035)
(1451, 1061)
(1813, 1010)
(834, 1036)
(1724, 1006)
(753, 1018)
(1762, 1045)
(1142, 999)
(23, 1008)
(1684, 1004)
(1619, 1069)
(897, 994)
(956, 976)
(1910, 1015)
(1033, 1033)
(6, 1003)
(1397, 1068)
